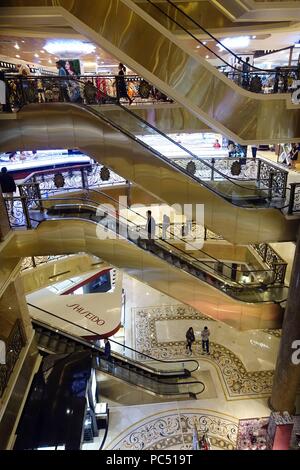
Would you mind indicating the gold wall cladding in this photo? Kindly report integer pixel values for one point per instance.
(13, 306)
(52, 126)
(63, 236)
(246, 117)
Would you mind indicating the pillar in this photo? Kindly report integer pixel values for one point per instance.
(4, 222)
(287, 373)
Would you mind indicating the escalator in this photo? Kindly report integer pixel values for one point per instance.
(77, 227)
(159, 377)
(126, 31)
(238, 209)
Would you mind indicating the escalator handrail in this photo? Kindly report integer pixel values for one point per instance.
(98, 114)
(95, 206)
(229, 293)
(240, 60)
(175, 236)
(93, 333)
(167, 160)
(139, 366)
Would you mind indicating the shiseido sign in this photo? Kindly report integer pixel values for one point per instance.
(86, 314)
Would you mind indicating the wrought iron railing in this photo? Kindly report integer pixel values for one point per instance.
(34, 261)
(13, 345)
(82, 89)
(173, 16)
(294, 200)
(272, 259)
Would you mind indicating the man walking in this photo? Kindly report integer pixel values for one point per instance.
(205, 334)
(150, 226)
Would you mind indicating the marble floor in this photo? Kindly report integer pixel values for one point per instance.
(240, 367)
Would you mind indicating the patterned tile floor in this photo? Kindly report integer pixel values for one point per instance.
(173, 430)
(237, 381)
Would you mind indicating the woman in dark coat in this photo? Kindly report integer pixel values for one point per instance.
(8, 187)
(121, 85)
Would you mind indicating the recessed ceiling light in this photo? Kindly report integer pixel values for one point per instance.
(204, 42)
(253, 37)
(23, 41)
(198, 47)
(102, 61)
(17, 56)
(43, 52)
(50, 61)
(36, 55)
(207, 57)
(16, 46)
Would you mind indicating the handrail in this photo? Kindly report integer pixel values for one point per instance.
(240, 60)
(78, 166)
(14, 344)
(139, 366)
(191, 259)
(256, 191)
(92, 346)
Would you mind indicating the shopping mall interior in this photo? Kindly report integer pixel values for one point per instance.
(149, 225)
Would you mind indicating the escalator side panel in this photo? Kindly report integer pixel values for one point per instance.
(57, 236)
(64, 125)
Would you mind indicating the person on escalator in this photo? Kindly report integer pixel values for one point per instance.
(150, 226)
(246, 73)
(107, 355)
(121, 84)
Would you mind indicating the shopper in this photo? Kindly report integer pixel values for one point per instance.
(254, 150)
(190, 338)
(150, 226)
(217, 144)
(8, 187)
(121, 85)
(246, 71)
(107, 349)
(63, 84)
(205, 334)
(165, 226)
(293, 155)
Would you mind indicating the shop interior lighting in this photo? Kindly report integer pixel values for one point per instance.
(235, 43)
(16, 46)
(69, 47)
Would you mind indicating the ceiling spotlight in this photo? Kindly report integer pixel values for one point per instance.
(16, 46)
(50, 61)
(207, 57)
(198, 47)
(36, 55)
(23, 41)
(43, 52)
(17, 56)
(204, 42)
(253, 37)
(102, 61)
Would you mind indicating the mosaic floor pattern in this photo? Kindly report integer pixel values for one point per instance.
(173, 430)
(237, 381)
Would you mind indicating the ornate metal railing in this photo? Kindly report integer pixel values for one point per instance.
(294, 200)
(81, 89)
(34, 261)
(270, 177)
(13, 345)
(271, 258)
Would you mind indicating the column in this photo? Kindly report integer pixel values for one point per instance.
(4, 222)
(287, 373)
